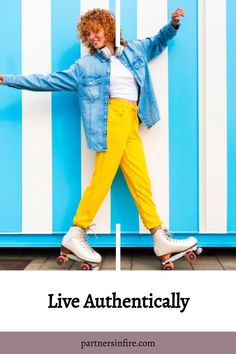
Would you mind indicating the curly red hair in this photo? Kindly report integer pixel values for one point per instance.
(96, 20)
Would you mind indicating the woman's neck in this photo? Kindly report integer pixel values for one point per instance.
(110, 47)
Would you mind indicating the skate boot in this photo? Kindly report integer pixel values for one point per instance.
(75, 246)
(169, 249)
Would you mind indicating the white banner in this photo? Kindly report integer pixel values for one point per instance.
(169, 301)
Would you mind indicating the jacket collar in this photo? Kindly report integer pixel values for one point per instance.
(100, 56)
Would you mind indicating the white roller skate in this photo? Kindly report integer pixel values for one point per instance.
(169, 249)
(75, 246)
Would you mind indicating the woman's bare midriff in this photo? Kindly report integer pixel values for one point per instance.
(124, 99)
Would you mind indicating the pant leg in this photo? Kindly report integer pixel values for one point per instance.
(106, 166)
(134, 168)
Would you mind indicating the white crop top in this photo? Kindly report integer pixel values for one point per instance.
(122, 82)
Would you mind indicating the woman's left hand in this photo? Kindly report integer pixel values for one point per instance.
(176, 17)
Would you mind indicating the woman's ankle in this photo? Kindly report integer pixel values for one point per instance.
(154, 229)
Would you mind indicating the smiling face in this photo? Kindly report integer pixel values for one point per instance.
(96, 39)
(97, 29)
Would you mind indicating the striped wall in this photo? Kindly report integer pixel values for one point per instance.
(191, 153)
(36, 120)
(231, 113)
(10, 120)
(66, 125)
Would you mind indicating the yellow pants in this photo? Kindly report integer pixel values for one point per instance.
(124, 148)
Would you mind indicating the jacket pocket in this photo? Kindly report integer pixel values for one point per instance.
(91, 87)
(139, 67)
(139, 63)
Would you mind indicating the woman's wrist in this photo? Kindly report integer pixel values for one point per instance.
(175, 25)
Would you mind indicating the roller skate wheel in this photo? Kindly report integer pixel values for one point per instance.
(95, 268)
(62, 260)
(190, 256)
(168, 266)
(85, 266)
(198, 251)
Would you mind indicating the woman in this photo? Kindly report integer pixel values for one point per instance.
(115, 92)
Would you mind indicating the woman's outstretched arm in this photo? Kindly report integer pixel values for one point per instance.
(153, 46)
(58, 81)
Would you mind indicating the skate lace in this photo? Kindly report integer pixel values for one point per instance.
(169, 236)
(92, 229)
(84, 239)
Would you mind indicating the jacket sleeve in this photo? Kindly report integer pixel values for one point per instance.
(58, 81)
(153, 46)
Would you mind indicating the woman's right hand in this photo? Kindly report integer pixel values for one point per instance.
(1, 79)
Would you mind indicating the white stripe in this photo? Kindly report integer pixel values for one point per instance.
(117, 23)
(213, 123)
(117, 247)
(102, 218)
(202, 115)
(151, 17)
(36, 120)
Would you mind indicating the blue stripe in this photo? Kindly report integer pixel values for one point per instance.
(123, 209)
(129, 18)
(66, 127)
(112, 6)
(109, 240)
(231, 113)
(10, 120)
(183, 120)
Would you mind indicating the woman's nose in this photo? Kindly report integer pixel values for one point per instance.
(91, 36)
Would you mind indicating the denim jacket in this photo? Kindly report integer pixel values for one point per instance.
(90, 77)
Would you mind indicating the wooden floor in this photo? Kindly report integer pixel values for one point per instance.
(131, 259)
